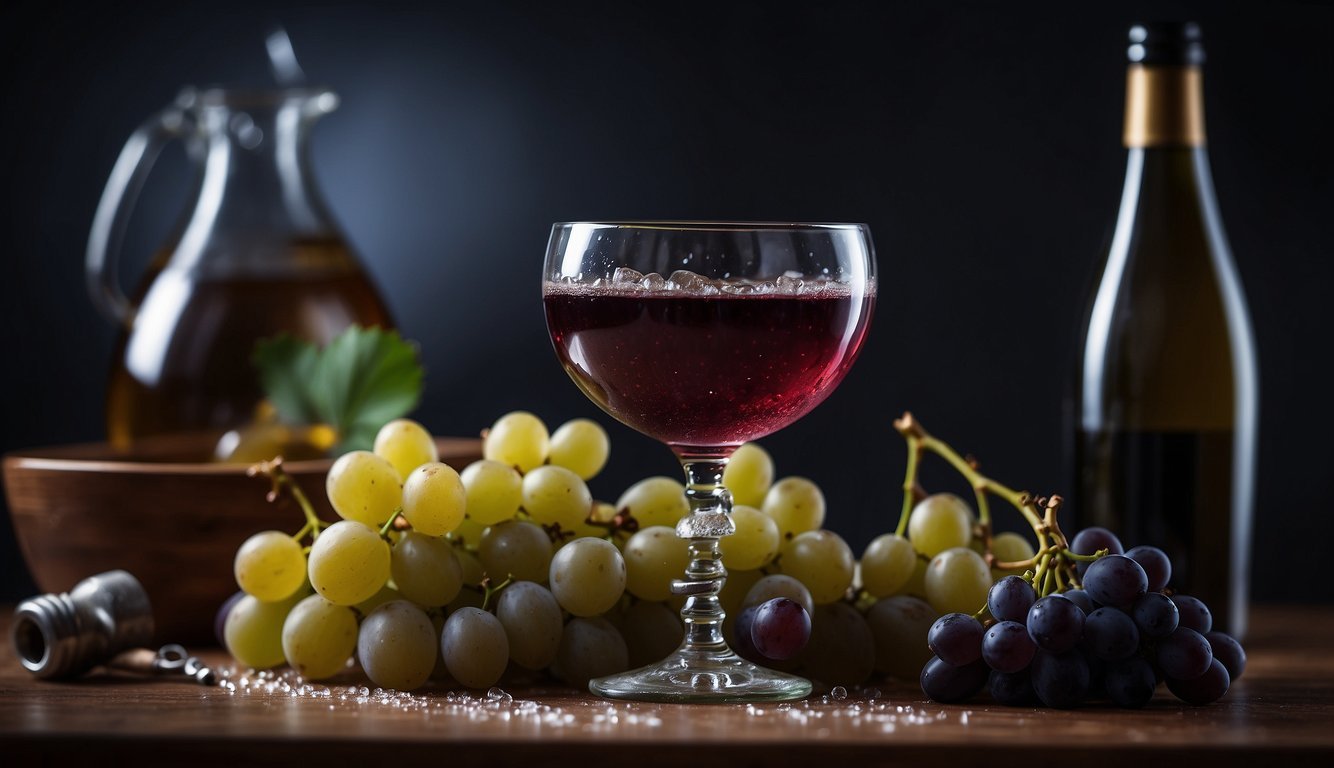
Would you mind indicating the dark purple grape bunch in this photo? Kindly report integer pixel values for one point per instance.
(775, 630)
(1115, 639)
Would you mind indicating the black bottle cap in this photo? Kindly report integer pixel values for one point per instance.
(1166, 43)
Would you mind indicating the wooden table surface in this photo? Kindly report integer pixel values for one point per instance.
(1281, 712)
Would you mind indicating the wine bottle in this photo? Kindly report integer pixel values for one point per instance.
(1166, 401)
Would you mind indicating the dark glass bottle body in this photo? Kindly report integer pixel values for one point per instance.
(1166, 401)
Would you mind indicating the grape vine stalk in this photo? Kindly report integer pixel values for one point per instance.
(1052, 567)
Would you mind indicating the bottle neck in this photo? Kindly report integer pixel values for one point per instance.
(1164, 107)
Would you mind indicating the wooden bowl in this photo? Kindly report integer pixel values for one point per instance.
(175, 524)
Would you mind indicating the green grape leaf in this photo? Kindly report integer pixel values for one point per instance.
(362, 379)
(286, 366)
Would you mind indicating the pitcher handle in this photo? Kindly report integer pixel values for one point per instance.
(113, 211)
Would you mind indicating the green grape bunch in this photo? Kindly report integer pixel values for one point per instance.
(511, 565)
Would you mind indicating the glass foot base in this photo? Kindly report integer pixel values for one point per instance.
(702, 676)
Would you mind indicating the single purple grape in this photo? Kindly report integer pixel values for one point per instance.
(956, 638)
(1194, 613)
(1184, 654)
(1110, 634)
(1007, 648)
(1115, 580)
(1010, 598)
(1203, 689)
(1130, 683)
(1155, 614)
(1228, 652)
(1080, 598)
(946, 683)
(1055, 624)
(1156, 564)
(780, 628)
(1089, 541)
(741, 635)
(1060, 680)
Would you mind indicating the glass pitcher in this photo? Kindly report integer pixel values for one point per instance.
(257, 254)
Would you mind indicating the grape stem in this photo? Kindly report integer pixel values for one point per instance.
(282, 481)
(389, 524)
(489, 591)
(1052, 566)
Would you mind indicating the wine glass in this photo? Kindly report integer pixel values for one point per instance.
(705, 335)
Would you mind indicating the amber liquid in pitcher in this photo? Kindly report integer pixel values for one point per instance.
(185, 364)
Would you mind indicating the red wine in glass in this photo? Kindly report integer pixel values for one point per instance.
(706, 369)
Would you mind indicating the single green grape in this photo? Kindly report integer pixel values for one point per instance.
(554, 495)
(590, 647)
(270, 565)
(796, 504)
(319, 637)
(494, 490)
(406, 445)
(581, 446)
(588, 576)
(779, 585)
(939, 522)
(434, 500)
(654, 557)
(749, 474)
(1010, 547)
(475, 647)
(655, 501)
(533, 623)
(887, 564)
(515, 549)
(397, 646)
(468, 535)
(916, 585)
(364, 487)
(473, 570)
(822, 561)
(349, 562)
(253, 631)
(841, 650)
(517, 439)
(957, 581)
(425, 569)
(899, 626)
(651, 631)
(755, 542)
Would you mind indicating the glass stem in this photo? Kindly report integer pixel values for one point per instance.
(709, 520)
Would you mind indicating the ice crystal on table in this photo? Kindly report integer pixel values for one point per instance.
(862, 709)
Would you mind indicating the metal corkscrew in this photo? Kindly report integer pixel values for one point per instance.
(105, 621)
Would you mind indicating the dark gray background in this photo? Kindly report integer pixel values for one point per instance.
(979, 140)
